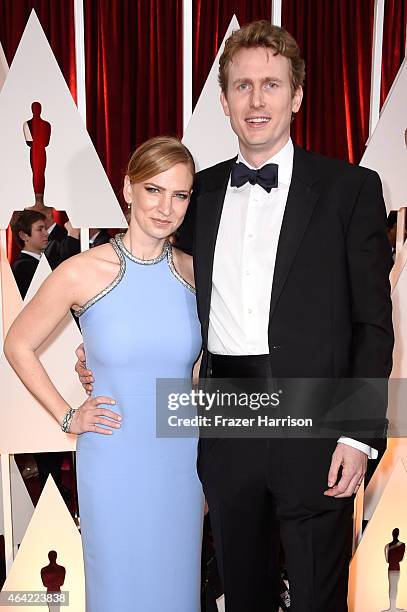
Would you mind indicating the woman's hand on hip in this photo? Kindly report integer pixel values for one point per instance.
(91, 416)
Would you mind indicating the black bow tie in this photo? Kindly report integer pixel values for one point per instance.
(266, 177)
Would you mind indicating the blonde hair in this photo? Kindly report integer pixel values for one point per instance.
(263, 34)
(158, 155)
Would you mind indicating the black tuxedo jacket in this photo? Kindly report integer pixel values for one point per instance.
(70, 246)
(58, 233)
(330, 306)
(24, 268)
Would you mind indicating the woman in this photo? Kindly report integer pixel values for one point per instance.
(139, 496)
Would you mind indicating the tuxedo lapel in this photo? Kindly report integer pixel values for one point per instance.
(302, 197)
(209, 211)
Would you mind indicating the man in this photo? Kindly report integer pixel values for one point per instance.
(30, 233)
(64, 242)
(291, 280)
(291, 268)
(71, 245)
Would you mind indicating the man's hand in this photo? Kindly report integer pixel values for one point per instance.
(72, 231)
(353, 463)
(85, 376)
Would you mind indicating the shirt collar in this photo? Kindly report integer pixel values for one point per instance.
(92, 240)
(51, 227)
(284, 158)
(36, 255)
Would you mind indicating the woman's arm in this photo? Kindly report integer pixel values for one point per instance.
(32, 327)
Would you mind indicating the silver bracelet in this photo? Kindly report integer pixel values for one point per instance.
(66, 421)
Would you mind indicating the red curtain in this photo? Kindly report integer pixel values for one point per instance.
(134, 64)
(336, 41)
(57, 21)
(210, 22)
(133, 76)
(394, 42)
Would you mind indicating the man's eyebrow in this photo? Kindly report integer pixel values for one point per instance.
(242, 80)
(265, 79)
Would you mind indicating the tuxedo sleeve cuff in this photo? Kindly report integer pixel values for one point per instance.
(371, 453)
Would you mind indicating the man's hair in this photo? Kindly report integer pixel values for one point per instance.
(263, 34)
(22, 221)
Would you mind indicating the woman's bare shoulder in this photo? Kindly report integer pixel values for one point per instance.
(184, 265)
(88, 261)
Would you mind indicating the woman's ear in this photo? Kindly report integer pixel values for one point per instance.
(127, 190)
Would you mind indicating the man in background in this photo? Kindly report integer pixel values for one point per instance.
(30, 233)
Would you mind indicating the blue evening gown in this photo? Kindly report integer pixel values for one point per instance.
(140, 498)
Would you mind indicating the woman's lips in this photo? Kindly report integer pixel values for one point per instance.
(161, 223)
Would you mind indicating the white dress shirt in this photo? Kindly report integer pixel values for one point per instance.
(35, 255)
(92, 240)
(243, 268)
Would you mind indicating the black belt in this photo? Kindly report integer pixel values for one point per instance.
(240, 366)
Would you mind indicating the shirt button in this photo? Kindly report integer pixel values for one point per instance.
(247, 273)
(249, 310)
(250, 235)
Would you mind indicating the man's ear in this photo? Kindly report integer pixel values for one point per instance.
(127, 190)
(224, 103)
(23, 236)
(297, 99)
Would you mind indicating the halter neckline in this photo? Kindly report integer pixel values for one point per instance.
(143, 262)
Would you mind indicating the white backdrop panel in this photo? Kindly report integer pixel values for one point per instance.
(51, 528)
(30, 428)
(368, 583)
(75, 179)
(3, 67)
(209, 136)
(23, 507)
(386, 151)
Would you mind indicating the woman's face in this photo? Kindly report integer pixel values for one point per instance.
(159, 204)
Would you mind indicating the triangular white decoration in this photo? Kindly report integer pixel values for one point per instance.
(51, 528)
(3, 67)
(30, 428)
(12, 302)
(209, 135)
(396, 450)
(399, 300)
(22, 506)
(396, 445)
(75, 179)
(386, 151)
(368, 582)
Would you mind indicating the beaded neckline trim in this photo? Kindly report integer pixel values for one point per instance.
(112, 285)
(143, 262)
(176, 274)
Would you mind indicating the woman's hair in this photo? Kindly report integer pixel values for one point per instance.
(22, 221)
(158, 155)
(263, 34)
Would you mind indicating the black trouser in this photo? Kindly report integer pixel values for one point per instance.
(249, 481)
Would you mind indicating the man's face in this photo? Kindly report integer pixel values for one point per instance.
(38, 240)
(259, 101)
